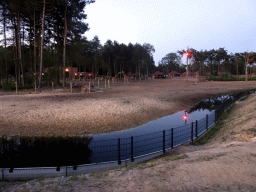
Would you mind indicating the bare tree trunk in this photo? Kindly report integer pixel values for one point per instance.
(15, 51)
(246, 65)
(115, 66)
(4, 20)
(19, 48)
(236, 68)
(246, 73)
(41, 49)
(218, 66)
(35, 45)
(200, 71)
(64, 45)
(109, 67)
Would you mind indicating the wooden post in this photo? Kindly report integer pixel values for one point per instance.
(16, 87)
(35, 86)
(71, 86)
(89, 86)
(105, 84)
(108, 84)
(52, 86)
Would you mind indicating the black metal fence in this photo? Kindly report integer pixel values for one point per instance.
(136, 146)
(128, 149)
(133, 147)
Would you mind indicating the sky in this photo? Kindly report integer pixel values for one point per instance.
(172, 25)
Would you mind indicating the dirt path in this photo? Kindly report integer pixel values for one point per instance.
(226, 163)
(123, 107)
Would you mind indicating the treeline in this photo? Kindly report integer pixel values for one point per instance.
(35, 34)
(214, 62)
(47, 34)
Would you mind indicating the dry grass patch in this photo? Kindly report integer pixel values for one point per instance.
(99, 175)
(253, 154)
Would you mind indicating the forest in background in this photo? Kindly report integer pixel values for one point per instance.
(50, 34)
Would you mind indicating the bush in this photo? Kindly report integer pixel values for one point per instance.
(225, 77)
(252, 79)
(10, 85)
(26, 86)
(51, 75)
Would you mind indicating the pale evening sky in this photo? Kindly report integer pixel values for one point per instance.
(172, 25)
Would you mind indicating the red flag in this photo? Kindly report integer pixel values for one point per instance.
(251, 59)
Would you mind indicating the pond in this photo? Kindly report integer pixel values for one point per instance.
(160, 134)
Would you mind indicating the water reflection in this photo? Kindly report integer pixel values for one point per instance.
(210, 103)
(44, 151)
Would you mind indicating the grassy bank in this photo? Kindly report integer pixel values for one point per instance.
(216, 128)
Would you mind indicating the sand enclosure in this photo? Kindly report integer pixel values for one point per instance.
(122, 107)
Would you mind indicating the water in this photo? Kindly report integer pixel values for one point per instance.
(43, 151)
(197, 112)
(150, 137)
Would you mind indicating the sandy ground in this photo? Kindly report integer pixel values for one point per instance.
(226, 163)
(123, 106)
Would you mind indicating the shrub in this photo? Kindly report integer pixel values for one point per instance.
(225, 77)
(10, 85)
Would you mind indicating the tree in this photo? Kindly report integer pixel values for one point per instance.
(149, 54)
(41, 47)
(95, 47)
(190, 53)
(248, 57)
(64, 42)
(221, 55)
(171, 61)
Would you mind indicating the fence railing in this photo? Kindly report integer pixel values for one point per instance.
(109, 154)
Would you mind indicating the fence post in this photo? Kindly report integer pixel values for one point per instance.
(119, 152)
(132, 159)
(164, 141)
(207, 122)
(216, 115)
(192, 132)
(16, 87)
(172, 138)
(196, 128)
